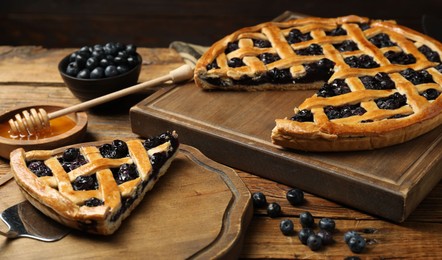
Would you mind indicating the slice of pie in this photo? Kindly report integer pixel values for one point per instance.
(93, 188)
(379, 82)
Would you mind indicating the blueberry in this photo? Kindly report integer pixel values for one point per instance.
(346, 45)
(267, 58)
(131, 49)
(327, 224)
(363, 61)
(356, 244)
(295, 196)
(336, 32)
(125, 173)
(286, 226)
(400, 58)
(110, 71)
(296, 36)
(261, 43)
(231, 46)
(85, 183)
(157, 160)
(106, 150)
(273, 210)
(71, 154)
(393, 101)
(110, 49)
(235, 62)
(105, 63)
(85, 51)
(303, 115)
(93, 202)
(121, 149)
(429, 53)
(306, 219)
(280, 76)
(122, 69)
(313, 49)
(97, 73)
(349, 234)
(39, 168)
(92, 63)
(212, 65)
(304, 234)
(430, 94)
(132, 61)
(81, 60)
(326, 236)
(72, 69)
(314, 242)
(259, 200)
(84, 74)
(381, 40)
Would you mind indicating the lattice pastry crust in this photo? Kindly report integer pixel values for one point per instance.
(58, 189)
(382, 80)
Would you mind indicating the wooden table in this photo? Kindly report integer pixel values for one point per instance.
(29, 73)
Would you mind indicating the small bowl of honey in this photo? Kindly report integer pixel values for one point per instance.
(64, 130)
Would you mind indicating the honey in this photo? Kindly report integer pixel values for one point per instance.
(58, 126)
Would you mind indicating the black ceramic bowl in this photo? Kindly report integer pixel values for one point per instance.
(86, 89)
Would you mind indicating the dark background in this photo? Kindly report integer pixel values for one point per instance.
(156, 23)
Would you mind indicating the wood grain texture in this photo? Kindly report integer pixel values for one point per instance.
(240, 124)
(418, 237)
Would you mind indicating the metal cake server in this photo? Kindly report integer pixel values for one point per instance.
(24, 220)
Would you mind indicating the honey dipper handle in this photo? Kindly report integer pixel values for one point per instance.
(179, 74)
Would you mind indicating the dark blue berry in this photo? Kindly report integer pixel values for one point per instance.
(267, 58)
(295, 196)
(400, 57)
(313, 49)
(93, 202)
(125, 173)
(381, 40)
(347, 45)
(73, 69)
(303, 115)
(363, 61)
(327, 224)
(417, 77)
(110, 71)
(280, 76)
(393, 101)
(261, 43)
(304, 234)
(131, 48)
(429, 53)
(39, 168)
(356, 244)
(296, 36)
(287, 228)
(306, 219)
(259, 200)
(430, 94)
(314, 242)
(85, 183)
(326, 236)
(349, 234)
(157, 160)
(71, 154)
(273, 210)
(122, 68)
(97, 73)
(336, 32)
(235, 62)
(231, 46)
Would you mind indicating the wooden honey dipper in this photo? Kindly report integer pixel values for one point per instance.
(29, 123)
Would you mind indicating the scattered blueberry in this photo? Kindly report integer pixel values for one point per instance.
(327, 224)
(295, 196)
(304, 234)
(326, 236)
(314, 242)
(273, 210)
(259, 200)
(286, 226)
(349, 234)
(356, 244)
(306, 219)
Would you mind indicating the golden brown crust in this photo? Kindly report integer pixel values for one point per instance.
(54, 195)
(376, 127)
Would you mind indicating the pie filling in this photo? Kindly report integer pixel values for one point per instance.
(159, 150)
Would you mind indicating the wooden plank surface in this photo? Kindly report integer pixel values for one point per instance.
(234, 128)
(419, 237)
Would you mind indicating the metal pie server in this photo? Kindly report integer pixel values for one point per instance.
(24, 220)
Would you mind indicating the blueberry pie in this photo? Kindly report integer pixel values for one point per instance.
(93, 187)
(377, 83)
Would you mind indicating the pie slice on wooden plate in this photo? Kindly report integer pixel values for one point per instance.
(378, 83)
(93, 188)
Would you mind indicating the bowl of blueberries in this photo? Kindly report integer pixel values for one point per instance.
(94, 71)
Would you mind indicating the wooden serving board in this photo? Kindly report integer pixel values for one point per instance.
(234, 128)
(198, 209)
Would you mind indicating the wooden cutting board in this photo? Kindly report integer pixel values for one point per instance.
(234, 128)
(199, 209)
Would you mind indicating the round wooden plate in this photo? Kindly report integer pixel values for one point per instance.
(198, 209)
